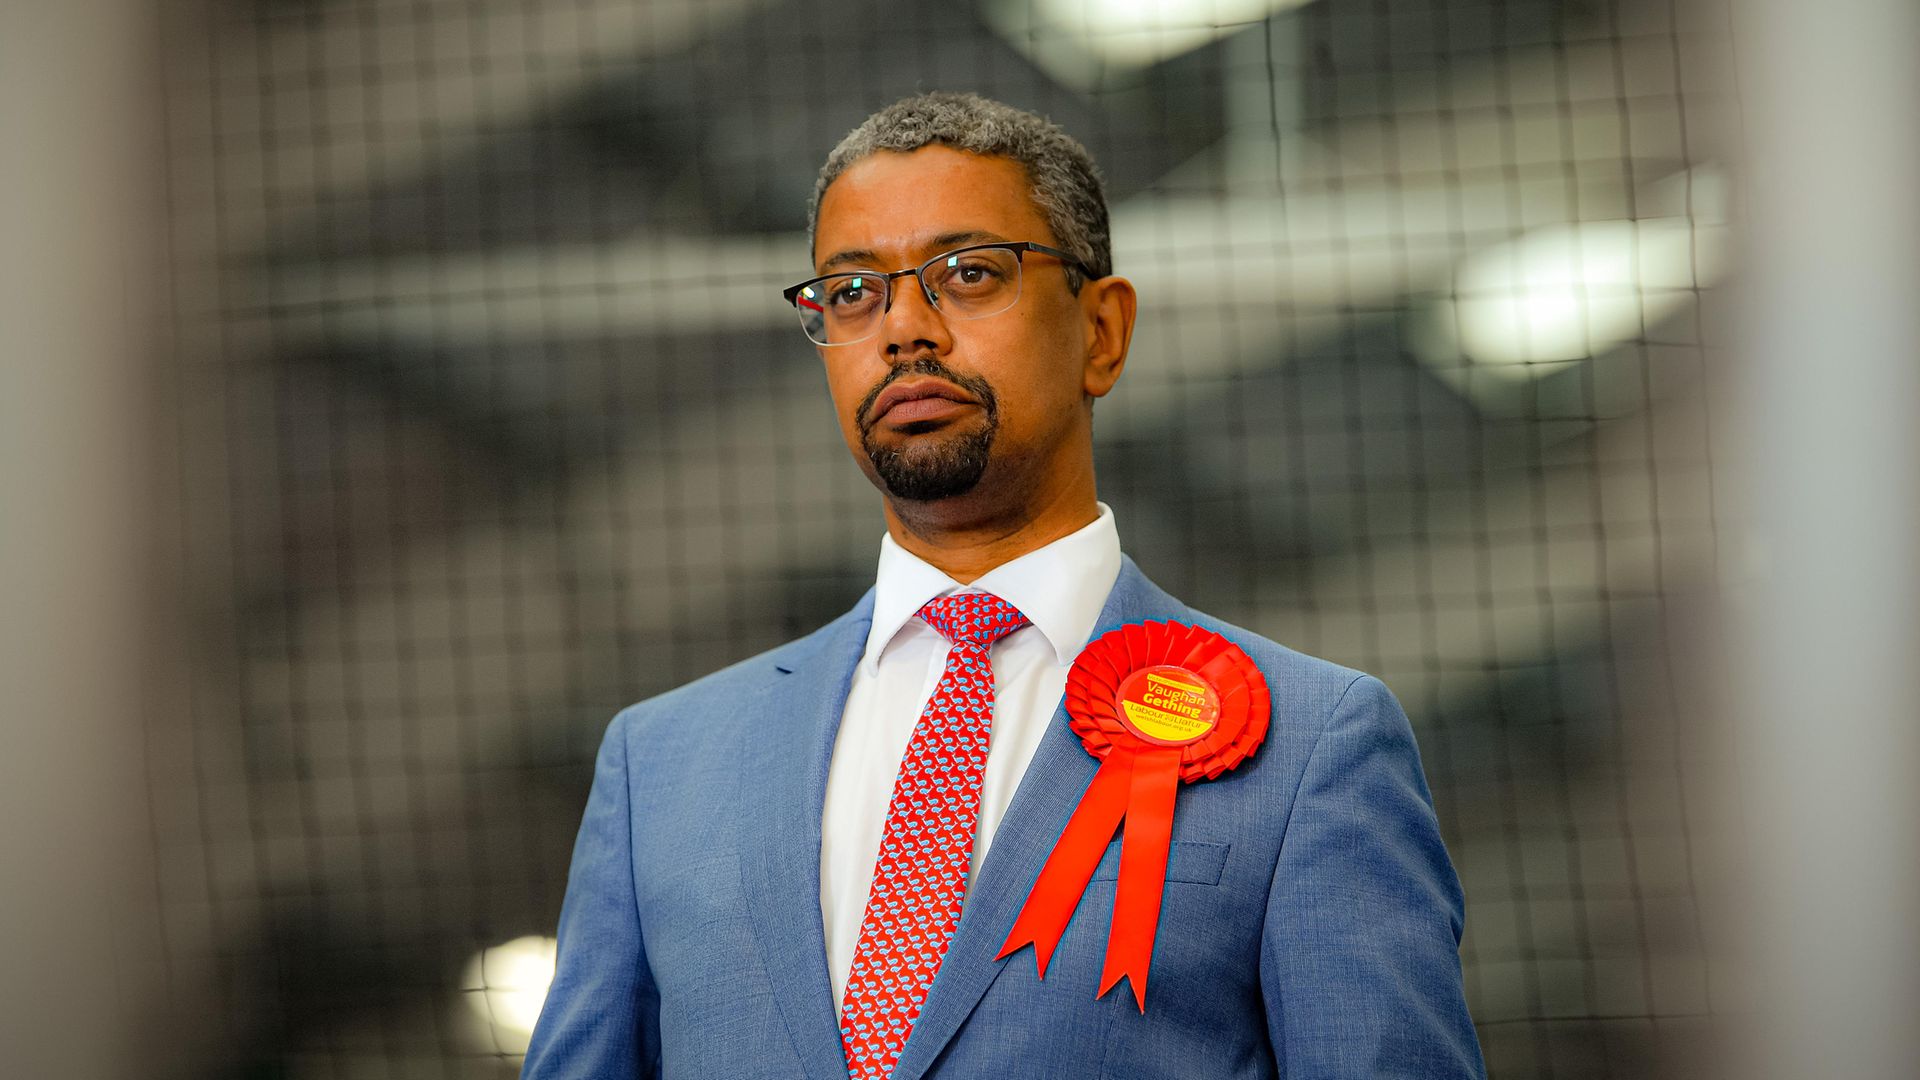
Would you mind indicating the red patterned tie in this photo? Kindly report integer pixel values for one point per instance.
(927, 844)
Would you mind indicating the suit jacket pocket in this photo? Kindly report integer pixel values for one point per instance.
(1193, 861)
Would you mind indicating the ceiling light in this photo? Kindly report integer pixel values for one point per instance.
(1560, 294)
(1086, 42)
(507, 984)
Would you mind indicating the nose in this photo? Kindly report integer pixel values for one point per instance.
(912, 323)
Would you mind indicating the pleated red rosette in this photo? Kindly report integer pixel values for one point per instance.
(1158, 703)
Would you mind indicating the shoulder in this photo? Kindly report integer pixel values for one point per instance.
(725, 691)
(1306, 690)
(1344, 718)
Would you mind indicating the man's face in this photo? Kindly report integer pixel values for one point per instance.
(934, 407)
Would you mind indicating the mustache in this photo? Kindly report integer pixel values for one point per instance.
(928, 364)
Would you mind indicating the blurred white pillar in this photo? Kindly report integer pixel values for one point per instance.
(79, 141)
(1830, 366)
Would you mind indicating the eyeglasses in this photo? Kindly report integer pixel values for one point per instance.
(965, 283)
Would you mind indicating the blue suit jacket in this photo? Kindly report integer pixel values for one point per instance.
(1310, 925)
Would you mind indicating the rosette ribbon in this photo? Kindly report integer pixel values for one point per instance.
(1159, 703)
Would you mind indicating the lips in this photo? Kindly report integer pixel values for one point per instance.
(919, 399)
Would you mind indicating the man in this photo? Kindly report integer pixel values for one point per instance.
(807, 864)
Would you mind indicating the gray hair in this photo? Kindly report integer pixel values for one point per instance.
(1067, 187)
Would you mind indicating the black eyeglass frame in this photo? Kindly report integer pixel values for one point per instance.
(1019, 248)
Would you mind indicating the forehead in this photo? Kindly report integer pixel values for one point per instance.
(894, 204)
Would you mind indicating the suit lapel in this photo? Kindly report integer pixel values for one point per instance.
(1051, 787)
(785, 783)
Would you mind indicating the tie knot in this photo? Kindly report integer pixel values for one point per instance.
(978, 618)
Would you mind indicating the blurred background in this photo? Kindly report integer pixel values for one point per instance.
(466, 412)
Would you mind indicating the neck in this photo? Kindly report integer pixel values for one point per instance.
(965, 539)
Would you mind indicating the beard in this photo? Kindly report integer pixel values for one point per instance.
(931, 466)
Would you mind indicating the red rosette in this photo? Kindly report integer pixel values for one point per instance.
(1093, 690)
(1158, 703)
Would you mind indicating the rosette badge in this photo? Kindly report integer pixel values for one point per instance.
(1158, 703)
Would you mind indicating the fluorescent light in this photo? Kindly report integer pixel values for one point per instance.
(1558, 295)
(507, 984)
(1565, 292)
(1084, 42)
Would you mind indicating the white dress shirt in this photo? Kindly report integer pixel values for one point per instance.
(1061, 589)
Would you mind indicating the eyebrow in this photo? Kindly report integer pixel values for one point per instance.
(942, 242)
(948, 240)
(857, 255)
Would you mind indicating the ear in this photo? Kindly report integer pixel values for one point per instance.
(1108, 305)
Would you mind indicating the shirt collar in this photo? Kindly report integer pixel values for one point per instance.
(1060, 588)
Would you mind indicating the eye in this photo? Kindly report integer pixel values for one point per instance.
(972, 272)
(850, 293)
